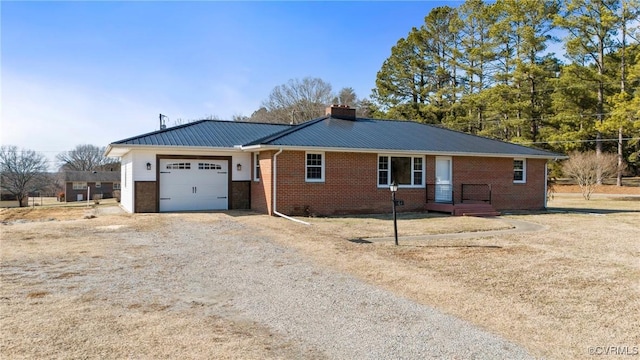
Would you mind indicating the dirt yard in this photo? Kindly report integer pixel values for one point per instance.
(568, 291)
(562, 292)
(71, 289)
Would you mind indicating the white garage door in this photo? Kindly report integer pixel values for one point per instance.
(193, 184)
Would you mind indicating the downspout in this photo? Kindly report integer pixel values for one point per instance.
(275, 187)
(546, 185)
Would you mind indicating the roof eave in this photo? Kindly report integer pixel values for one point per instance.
(116, 150)
(126, 148)
(396, 151)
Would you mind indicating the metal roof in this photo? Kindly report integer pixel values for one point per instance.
(208, 133)
(326, 133)
(393, 135)
(92, 176)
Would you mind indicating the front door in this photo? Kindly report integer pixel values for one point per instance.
(444, 185)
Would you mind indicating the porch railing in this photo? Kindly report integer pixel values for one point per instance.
(469, 193)
(440, 193)
(476, 193)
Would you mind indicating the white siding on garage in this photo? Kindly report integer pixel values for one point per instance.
(244, 159)
(134, 167)
(140, 172)
(126, 183)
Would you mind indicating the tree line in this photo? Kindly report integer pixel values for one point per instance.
(483, 68)
(24, 171)
(486, 69)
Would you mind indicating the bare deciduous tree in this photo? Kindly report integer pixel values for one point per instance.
(181, 121)
(586, 167)
(21, 171)
(295, 101)
(301, 100)
(239, 117)
(85, 158)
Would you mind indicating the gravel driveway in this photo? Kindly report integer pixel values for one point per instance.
(223, 268)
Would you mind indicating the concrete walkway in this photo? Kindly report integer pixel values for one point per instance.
(519, 226)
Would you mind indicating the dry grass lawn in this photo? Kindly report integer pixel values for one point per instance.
(55, 265)
(556, 292)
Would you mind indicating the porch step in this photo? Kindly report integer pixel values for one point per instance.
(483, 214)
(474, 210)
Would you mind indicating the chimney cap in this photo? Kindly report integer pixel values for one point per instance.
(341, 111)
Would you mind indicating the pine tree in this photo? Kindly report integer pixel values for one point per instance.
(591, 25)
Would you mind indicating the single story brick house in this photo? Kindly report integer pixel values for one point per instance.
(336, 164)
(82, 185)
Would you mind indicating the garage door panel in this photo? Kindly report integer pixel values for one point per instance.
(193, 184)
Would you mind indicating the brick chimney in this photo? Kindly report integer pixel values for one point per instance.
(341, 112)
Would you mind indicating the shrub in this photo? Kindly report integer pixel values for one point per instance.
(587, 168)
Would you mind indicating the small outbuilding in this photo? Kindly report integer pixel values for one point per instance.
(82, 185)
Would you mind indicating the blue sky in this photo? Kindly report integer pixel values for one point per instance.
(96, 72)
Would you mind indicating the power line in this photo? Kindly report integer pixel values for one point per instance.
(497, 118)
(548, 88)
(576, 141)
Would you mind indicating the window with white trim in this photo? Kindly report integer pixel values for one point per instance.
(314, 167)
(519, 171)
(79, 185)
(406, 171)
(116, 186)
(256, 167)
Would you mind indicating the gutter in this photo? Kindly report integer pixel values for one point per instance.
(275, 187)
(106, 153)
(415, 152)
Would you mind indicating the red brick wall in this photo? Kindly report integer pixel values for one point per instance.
(350, 184)
(240, 195)
(261, 195)
(506, 195)
(105, 189)
(146, 196)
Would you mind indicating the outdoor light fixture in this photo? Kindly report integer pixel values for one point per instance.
(148, 166)
(394, 187)
(239, 167)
